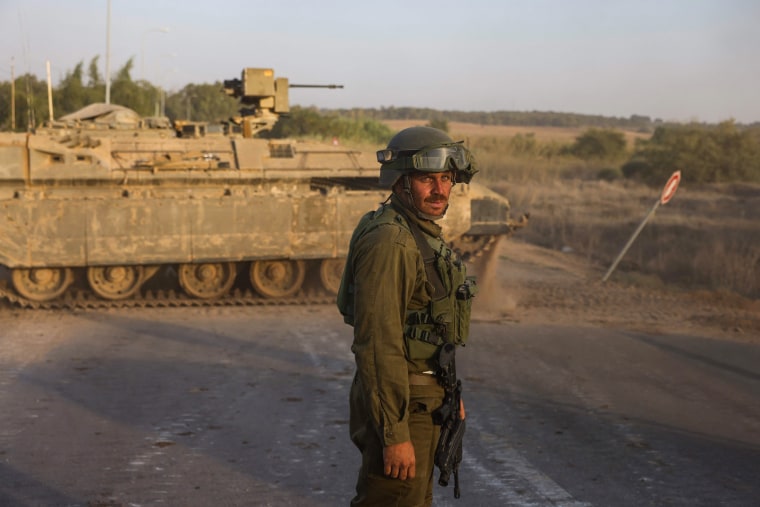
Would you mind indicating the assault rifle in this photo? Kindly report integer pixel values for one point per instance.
(448, 453)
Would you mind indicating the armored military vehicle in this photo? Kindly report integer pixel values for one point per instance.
(102, 207)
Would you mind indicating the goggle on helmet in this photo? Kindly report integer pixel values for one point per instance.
(438, 158)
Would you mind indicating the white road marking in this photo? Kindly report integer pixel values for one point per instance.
(508, 477)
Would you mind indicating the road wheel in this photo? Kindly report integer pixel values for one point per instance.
(278, 278)
(330, 273)
(115, 282)
(207, 281)
(42, 284)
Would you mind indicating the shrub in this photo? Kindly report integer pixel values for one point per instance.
(721, 153)
(439, 123)
(609, 174)
(603, 144)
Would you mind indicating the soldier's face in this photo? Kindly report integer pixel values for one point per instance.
(430, 192)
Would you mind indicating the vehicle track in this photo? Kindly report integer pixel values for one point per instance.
(82, 299)
(79, 298)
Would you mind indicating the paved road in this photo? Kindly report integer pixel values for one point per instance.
(247, 406)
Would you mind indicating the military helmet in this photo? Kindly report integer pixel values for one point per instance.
(424, 149)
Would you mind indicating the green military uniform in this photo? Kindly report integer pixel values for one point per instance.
(400, 320)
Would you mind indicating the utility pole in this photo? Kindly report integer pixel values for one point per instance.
(108, 54)
(13, 95)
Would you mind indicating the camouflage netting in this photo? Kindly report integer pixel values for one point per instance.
(104, 115)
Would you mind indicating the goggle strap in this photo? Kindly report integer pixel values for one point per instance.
(410, 159)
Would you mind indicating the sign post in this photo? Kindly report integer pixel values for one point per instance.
(667, 194)
(670, 187)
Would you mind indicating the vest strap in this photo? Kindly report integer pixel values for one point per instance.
(422, 335)
(428, 257)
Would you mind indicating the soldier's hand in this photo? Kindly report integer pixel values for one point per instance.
(461, 409)
(399, 461)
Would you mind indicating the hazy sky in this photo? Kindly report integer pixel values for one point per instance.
(670, 59)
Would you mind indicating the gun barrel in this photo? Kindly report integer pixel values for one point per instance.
(315, 86)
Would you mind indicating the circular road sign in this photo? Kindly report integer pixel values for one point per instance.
(670, 187)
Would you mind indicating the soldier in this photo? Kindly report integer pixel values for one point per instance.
(399, 292)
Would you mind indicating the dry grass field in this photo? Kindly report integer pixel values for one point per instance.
(705, 241)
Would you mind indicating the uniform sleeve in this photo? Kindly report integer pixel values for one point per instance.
(385, 274)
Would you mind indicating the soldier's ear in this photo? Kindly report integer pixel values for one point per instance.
(401, 184)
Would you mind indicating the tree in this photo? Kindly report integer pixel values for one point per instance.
(142, 97)
(439, 123)
(703, 154)
(71, 94)
(599, 144)
(31, 103)
(303, 122)
(204, 102)
(93, 74)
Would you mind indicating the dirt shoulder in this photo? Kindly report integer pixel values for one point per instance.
(537, 285)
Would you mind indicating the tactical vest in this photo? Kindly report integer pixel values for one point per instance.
(446, 318)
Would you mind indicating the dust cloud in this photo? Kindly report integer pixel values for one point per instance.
(493, 301)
